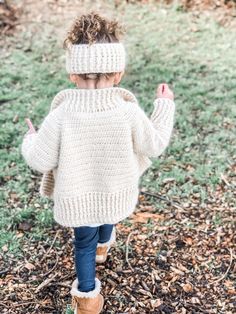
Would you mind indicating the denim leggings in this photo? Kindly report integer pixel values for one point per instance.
(85, 245)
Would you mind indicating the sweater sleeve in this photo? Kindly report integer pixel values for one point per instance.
(41, 150)
(151, 136)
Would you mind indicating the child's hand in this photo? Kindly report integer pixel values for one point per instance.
(163, 91)
(30, 126)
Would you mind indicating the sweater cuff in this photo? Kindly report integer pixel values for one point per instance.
(28, 141)
(164, 110)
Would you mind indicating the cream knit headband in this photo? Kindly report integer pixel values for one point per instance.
(95, 58)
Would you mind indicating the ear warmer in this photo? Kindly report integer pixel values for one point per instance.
(95, 58)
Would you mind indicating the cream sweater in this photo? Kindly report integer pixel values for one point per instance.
(98, 143)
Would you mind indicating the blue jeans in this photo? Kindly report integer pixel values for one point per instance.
(85, 244)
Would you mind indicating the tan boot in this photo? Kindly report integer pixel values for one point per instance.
(87, 302)
(103, 248)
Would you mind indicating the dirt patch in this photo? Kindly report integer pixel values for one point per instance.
(55, 13)
(224, 11)
(9, 15)
(209, 4)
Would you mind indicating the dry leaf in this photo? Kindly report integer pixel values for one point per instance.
(187, 287)
(14, 196)
(143, 217)
(195, 300)
(177, 271)
(15, 119)
(25, 226)
(156, 303)
(19, 234)
(29, 266)
(188, 240)
(5, 248)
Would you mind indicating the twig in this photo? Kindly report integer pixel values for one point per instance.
(22, 304)
(226, 273)
(49, 272)
(70, 275)
(169, 202)
(223, 178)
(60, 284)
(45, 283)
(5, 305)
(197, 307)
(127, 250)
(50, 246)
(3, 272)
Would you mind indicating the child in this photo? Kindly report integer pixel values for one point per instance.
(97, 141)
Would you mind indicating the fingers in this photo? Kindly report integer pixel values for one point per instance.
(161, 88)
(30, 124)
(165, 87)
(163, 91)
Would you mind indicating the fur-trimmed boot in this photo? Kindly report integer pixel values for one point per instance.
(87, 302)
(103, 248)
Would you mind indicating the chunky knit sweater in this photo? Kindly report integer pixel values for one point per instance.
(97, 142)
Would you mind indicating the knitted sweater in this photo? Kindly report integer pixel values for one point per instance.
(97, 142)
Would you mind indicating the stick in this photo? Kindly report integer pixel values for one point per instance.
(163, 199)
(61, 284)
(2, 272)
(23, 304)
(50, 246)
(226, 273)
(5, 305)
(224, 179)
(127, 250)
(49, 272)
(45, 283)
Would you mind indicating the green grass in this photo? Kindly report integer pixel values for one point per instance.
(198, 65)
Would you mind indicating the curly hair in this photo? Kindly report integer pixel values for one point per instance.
(93, 28)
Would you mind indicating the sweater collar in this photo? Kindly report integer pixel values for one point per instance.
(96, 100)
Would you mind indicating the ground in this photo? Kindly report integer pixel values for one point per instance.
(176, 254)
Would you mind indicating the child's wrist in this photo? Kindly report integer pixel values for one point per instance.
(167, 99)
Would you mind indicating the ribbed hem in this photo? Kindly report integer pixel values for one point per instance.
(28, 140)
(47, 185)
(96, 207)
(95, 58)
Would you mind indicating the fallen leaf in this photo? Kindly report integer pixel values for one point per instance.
(25, 226)
(143, 217)
(29, 266)
(187, 287)
(14, 196)
(177, 271)
(156, 303)
(15, 119)
(5, 248)
(188, 240)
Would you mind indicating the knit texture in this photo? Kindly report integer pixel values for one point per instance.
(97, 142)
(95, 58)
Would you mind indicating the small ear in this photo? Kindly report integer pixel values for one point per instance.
(118, 77)
(73, 78)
